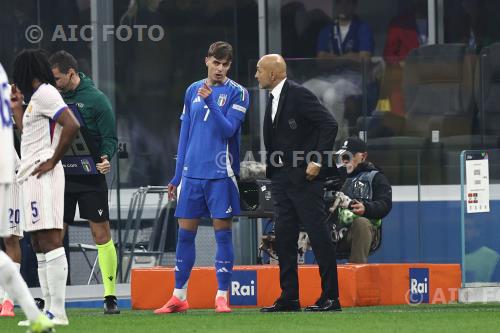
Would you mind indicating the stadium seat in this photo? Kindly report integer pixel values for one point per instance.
(439, 104)
(437, 86)
(398, 157)
(487, 103)
(487, 95)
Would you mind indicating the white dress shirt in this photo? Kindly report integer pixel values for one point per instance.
(276, 92)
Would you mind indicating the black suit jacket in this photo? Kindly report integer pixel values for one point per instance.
(301, 125)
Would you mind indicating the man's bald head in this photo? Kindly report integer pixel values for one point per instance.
(276, 63)
(271, 70)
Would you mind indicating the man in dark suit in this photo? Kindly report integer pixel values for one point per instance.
(299, 134)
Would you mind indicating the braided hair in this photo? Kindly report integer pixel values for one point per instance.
(31, 64)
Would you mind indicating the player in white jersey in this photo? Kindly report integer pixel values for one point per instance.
(15, 210)
(7, 169)
(10, 279)
(6, 141)
(48, 128)
(12, 246)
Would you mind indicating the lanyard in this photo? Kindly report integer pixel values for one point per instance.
(422, 34)
(422, 39)
(472, 40)
(337, 36)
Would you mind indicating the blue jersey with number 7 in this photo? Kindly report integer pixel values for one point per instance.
(209, 143)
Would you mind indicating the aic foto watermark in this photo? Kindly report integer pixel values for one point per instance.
(296, 158)
(87, 33)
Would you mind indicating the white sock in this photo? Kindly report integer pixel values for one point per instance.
(222, 293)
(42, 277)
(12, 282)
(6, 296)
(2, 292)
(57, 274)
(180, 293)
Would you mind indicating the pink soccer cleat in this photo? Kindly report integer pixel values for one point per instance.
(7, 309)
(173, 305)
(221, 305)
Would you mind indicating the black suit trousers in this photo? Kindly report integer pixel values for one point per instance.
(295, 205)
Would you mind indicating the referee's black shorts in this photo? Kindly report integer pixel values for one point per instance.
(91, 195)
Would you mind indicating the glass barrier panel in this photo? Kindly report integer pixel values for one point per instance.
(480, 186)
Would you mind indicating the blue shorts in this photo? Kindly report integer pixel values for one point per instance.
(212, 198)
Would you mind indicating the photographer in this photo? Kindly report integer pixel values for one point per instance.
(366, 198)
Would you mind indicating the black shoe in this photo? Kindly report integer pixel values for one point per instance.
(40, 303)
(324, 304)
(111, 305)
(283, 306)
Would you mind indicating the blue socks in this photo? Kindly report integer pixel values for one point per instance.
(185, 256)
(224, 258)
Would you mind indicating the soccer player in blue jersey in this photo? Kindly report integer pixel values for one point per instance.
(206, 170)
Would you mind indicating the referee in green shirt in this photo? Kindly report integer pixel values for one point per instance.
(91, 191)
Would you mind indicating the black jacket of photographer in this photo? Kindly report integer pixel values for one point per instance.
(381, 203)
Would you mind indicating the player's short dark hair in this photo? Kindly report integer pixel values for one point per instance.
(221, 51)
(31, 64)
(63, 61)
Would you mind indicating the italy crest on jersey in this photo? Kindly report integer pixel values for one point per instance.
(222, 100)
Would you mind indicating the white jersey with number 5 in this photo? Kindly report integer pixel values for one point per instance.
(43, 197)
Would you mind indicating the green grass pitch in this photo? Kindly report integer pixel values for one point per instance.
(454, 318)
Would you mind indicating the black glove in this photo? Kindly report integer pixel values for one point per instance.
(333, 184)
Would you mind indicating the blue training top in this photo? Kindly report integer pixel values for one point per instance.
(359, 38)
(209, 141)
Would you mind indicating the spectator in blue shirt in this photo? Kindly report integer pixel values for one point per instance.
(347, 38)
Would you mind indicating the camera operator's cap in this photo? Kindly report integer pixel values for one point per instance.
(353, 145)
